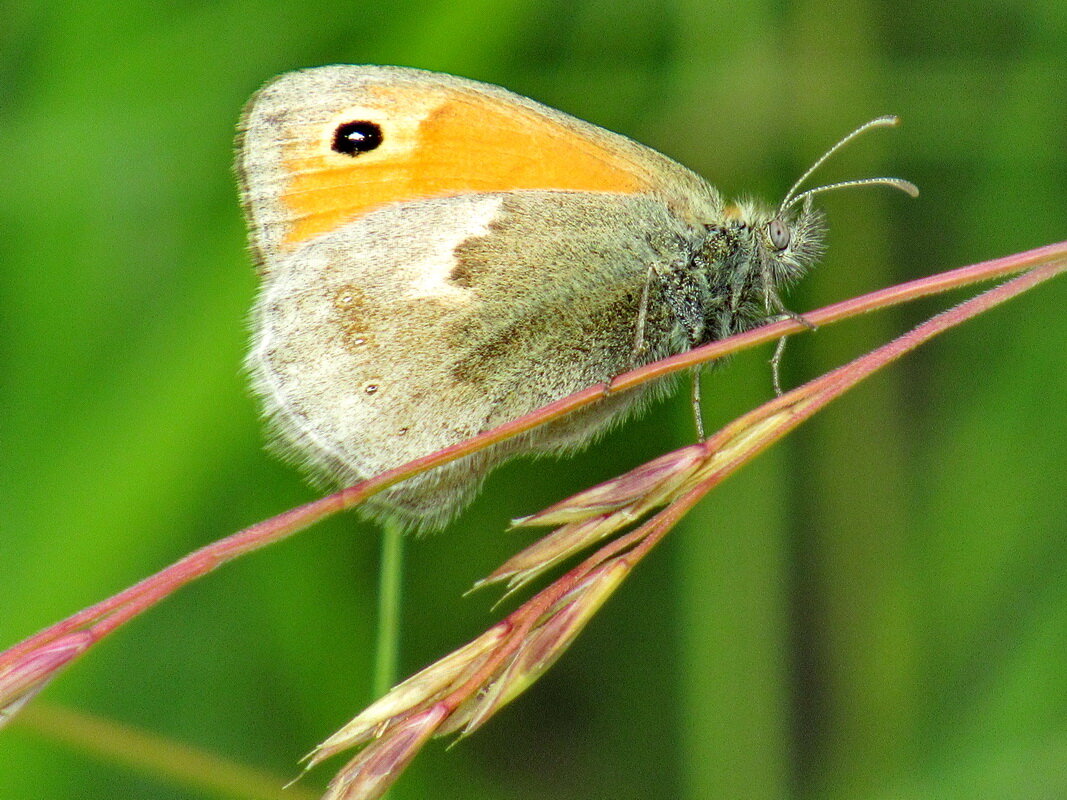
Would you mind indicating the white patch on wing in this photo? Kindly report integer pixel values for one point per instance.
(429, 276)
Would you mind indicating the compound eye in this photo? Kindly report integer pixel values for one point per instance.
(779, 233)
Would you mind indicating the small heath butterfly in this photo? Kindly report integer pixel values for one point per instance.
(439, 256)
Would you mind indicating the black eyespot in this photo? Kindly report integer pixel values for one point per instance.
(779, 233)
(353, 138)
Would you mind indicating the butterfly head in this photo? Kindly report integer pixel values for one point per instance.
(755, 251)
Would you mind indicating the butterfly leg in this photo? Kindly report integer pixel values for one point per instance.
(642, 318)
(776, 359)
(776, 362)
(698, 413)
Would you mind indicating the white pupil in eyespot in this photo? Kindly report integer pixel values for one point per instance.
(779, 233)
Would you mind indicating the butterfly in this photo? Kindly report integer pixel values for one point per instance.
(438, 256)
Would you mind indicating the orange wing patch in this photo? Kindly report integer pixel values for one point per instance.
(465, 143)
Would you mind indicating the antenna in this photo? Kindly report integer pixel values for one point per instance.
(792, 198)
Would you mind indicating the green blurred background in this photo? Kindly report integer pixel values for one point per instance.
(875, 609)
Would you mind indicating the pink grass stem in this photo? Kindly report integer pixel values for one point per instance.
(802, 402)
(103, 618)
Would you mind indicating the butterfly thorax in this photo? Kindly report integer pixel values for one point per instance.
(743, 263)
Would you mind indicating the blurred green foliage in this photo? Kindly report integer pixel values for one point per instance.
(875, 609)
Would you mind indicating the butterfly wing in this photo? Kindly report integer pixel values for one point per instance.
(439, 136)
(488, 257)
